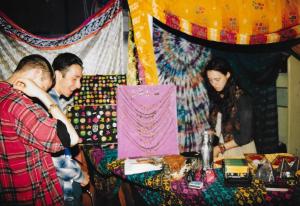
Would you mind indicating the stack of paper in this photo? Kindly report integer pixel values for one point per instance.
(135, 166)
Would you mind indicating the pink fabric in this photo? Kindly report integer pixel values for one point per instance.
(146, 121)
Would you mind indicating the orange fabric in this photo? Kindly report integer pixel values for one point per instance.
(229, 21)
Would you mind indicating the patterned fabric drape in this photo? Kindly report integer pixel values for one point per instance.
(180, 62)
(234, 22)
(98, 42)
(132, 73)
(266, 127)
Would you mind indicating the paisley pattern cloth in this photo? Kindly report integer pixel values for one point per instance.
(106, 184)
(164, 191)
(234, 22)
(180, 62)
(157, 188)
(175, 192)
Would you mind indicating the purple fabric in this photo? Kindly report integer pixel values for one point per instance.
(190, 196)
(146, 121)
(97, 155)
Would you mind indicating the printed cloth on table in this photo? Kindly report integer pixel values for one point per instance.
(105, 183)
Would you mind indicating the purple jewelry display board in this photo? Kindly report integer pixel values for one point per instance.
(147, 121)
(98, 89)
(94, 124)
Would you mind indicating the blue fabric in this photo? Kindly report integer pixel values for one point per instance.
(67, 169)
(76, 194)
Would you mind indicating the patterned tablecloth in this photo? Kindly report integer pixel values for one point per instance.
(157, 188)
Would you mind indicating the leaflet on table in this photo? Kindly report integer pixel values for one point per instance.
(140, 165)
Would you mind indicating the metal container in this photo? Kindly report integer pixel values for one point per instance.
(206, 151)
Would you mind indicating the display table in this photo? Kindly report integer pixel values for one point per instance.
(105, 183)
(158, 188)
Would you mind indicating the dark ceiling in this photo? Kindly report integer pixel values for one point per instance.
(49, 17)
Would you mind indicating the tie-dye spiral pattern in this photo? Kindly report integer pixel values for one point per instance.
(180, 62)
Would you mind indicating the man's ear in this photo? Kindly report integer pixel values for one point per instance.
(58, 75)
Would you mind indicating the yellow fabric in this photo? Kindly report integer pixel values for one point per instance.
(132, 63)
(143, 39)
(230, 21)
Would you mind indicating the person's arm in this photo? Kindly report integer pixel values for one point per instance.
(243, 134)
(223, 147)
(31, 89)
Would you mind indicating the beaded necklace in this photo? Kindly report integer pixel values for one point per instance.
(148, 124)
(131, 101)
(148, 130)
(148, 145)
(147, 121)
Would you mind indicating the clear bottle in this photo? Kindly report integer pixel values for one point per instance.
(206, 151)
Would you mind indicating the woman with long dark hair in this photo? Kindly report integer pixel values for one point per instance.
(231, 116)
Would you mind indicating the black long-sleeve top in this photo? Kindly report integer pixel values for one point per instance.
(238, 124)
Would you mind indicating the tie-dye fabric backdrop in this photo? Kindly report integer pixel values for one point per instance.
(180, 62)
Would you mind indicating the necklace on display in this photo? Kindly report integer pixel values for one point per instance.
(146, 131)
(144, 117)
(129, 112)
(142, 108)
(149, 125)
(148, 145)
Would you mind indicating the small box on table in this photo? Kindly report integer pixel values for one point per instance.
(236, 172)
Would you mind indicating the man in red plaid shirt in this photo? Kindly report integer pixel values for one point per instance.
(28, 135)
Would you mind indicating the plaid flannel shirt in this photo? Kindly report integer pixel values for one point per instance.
(27, 137)
(68, 170)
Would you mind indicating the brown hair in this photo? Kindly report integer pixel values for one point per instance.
(36, 61)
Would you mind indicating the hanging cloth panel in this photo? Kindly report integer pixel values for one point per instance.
(180, 62)
(234, 22)
(98, 42)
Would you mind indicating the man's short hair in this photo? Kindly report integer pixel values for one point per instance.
(36, 61)
(64, 60)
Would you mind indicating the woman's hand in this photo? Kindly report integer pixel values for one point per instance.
(216, 151)
(86, 179)
(28, 87)
(211, 132)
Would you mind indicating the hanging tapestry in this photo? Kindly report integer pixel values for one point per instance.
(132, 72)
(180, 62)
(147, 122)
(94, 124)
(234, 22)
(98, 89)
(98, 42)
